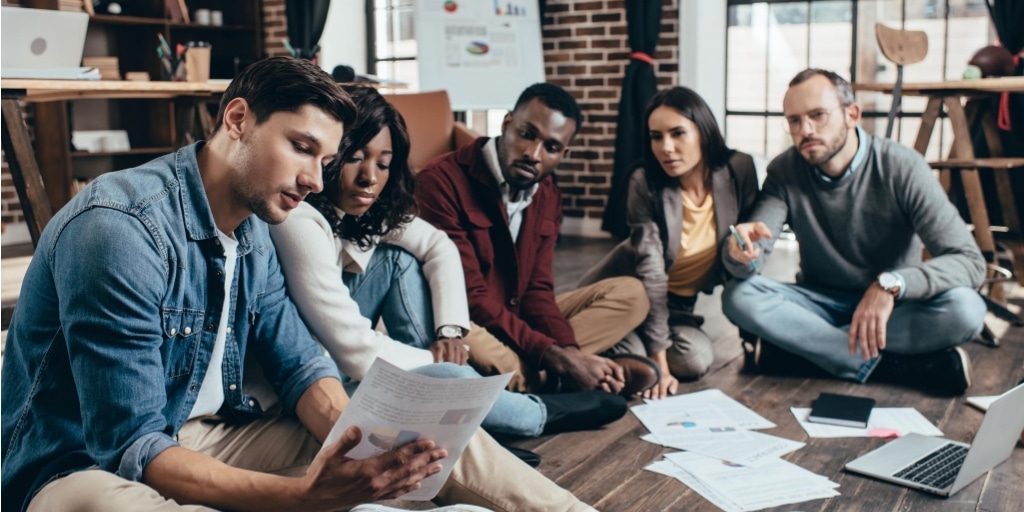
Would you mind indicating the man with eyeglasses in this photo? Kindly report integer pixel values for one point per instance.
(866, 304)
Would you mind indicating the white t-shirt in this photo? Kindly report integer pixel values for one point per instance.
(211, 393)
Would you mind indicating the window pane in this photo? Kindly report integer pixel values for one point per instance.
(969, 31)
(406, 71)
(395, 33)
(746, 133)
(747, 60)
(831, 36)
(872, 66)
(787, 48)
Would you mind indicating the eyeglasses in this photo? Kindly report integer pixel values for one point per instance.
(818, 118)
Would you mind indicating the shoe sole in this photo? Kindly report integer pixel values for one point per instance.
(645, 360)
(965, 361)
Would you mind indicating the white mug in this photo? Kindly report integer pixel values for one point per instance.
(216, 18)
(203, 16)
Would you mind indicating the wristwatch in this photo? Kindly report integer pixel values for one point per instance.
(449, 332)
(890, 283)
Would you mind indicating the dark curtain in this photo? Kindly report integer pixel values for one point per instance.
(643, 20)
(306, 19)
(1008, 20)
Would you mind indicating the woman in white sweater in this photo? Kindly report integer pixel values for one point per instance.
(356, 254)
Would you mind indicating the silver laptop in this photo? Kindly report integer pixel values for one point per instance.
(41, 43)
(941, 466)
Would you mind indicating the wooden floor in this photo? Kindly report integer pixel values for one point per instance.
(604, 467)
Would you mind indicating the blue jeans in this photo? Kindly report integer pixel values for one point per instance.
(393, 289)
(815, 322)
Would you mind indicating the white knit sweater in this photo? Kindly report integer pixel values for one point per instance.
(312, 260)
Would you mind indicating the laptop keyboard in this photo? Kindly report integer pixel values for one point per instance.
(938, 469)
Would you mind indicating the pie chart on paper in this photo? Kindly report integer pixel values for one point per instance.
(478, 48)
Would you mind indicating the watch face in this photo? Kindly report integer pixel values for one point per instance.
(450, 331)
(888, 281)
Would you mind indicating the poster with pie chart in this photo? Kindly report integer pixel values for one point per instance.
(483, 52)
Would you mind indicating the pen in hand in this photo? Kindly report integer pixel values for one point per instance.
(743, 247)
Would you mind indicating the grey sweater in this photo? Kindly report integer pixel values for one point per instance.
(869, 221)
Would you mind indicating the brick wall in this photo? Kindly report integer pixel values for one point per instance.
(586, 51)
(275, 30)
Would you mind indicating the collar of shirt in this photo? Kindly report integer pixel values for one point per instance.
(353, 258)
(490, 150)
(862, 149)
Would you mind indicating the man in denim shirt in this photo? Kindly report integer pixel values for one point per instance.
(124, 362)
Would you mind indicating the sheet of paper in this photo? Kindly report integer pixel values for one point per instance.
(393, 407)
(742, 447)
(982, 402)
(737, 414)
(771, 485)
(903, 420)
(667, 468)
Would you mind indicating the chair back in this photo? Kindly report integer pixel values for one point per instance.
(429, 118)
(902, 47)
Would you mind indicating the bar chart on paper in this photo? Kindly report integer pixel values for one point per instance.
(508, 9)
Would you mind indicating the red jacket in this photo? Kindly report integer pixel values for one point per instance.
(510, 285)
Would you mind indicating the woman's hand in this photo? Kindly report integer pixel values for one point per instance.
(668, 385)
(450, 350)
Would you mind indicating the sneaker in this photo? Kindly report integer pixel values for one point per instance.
(374, 507)
(945, 372)
(765, 358)
(586, 410)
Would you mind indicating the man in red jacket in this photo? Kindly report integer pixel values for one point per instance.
(496, 200)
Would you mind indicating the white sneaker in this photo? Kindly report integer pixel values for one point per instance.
(373, 507)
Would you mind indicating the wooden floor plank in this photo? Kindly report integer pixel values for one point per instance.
(604, 467)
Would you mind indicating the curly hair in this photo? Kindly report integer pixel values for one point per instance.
(395, 206)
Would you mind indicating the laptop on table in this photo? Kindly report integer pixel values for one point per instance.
(941, 466)
(42, 43)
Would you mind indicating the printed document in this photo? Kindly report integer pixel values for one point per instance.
(902, 420)
(740, 447)
(393, 407)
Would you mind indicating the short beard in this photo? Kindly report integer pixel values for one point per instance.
(242, 191)
(833, 151)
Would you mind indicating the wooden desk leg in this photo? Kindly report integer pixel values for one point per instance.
(962, 148)
(1007, 202)
(924, 135)
(21, 159)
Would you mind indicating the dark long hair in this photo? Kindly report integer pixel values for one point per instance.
(690, 105)
(395, 206)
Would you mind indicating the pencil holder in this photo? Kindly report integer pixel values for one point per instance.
(197, 64)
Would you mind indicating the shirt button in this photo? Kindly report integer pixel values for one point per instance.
(232, 387)
(228, 330)
(219, 273)
(187, 331)
(513, 302)
(252, 403)
(173, 331)
(209, 327)
(192, 387)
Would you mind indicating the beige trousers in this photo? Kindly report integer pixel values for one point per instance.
(601, 315)
(486, 475)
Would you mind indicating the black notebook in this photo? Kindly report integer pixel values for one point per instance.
(842, 410)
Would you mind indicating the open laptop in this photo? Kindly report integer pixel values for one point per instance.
(941, 466)
(41, 43)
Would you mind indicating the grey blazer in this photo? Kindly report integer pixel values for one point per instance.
(656, 227)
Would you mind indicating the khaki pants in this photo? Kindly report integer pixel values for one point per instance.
(486, 475)
(601, 315)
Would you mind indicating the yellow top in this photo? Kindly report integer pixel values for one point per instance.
(698, 248)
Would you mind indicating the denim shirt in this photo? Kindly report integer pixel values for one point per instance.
(116, 321)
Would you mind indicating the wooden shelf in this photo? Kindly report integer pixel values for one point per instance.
(196, 26)
(130, 152)
(127, 20)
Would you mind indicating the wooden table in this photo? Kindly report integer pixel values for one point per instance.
(17, 143)
(961, 158)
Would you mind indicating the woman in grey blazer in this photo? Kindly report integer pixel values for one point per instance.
(683, 196)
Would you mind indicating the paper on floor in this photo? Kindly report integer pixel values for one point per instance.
(903, 420)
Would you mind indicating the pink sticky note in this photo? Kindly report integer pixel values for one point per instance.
(884, 433)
